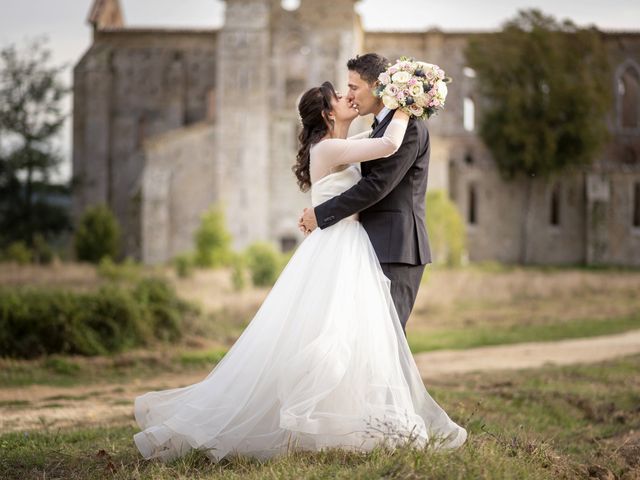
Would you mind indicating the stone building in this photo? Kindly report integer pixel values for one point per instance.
(168, 122)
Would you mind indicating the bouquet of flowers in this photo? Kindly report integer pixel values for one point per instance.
(418, 88)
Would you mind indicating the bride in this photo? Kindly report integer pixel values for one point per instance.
(324, 362)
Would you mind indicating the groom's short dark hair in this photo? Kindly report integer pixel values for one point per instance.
(369, 66)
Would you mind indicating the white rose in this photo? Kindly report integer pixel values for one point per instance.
(401, 77)
(415, 90)
(391, 90)
(426, 67)
(421, 100)
(390, 102)
(442, 90)
(416, 110)
(384, 78)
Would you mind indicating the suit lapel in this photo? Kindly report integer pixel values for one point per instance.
(379, 130)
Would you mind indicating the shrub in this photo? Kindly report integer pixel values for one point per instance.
(183, 265)
(18, 252)
(109, 321)
(264, 262)
(445, 226)
(36, 322)
(213, 241)
(98, 235)
(164, 309)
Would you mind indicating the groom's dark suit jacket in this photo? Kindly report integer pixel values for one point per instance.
(390, 198)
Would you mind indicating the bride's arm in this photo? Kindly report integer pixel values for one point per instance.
(339, 151)
(360, 135)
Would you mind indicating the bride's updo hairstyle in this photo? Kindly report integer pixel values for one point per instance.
(314, 109)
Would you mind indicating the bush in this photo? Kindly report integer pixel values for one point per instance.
(183, 265)
(213, 241)
(98, 235)
(36, 322)
(18, 252)
(264, 262)
(109, 321)
(163, 308)
(447, 235)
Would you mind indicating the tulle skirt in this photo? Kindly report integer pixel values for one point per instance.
(324, 363)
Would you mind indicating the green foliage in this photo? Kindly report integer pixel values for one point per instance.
(163, 309)
(18, 252)
(183, 265)
(31, 116)
(201, 358)
(213, 241)
(42, 251)
(238, 272)
(545, 90)
(36, 322)
(98, 235)
(264, 262)
(446, 229)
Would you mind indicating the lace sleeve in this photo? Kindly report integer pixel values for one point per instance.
(337, 151)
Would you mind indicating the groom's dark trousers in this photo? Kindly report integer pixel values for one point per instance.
(390, 199)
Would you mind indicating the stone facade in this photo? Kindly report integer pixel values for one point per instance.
(167, 122)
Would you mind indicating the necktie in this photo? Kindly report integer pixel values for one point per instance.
(375, 123)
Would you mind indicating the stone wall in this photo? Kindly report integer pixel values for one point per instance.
(179, 183)
(138, 92)
(132, 85)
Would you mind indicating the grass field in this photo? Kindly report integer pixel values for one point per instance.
(570, 422)
(550, 423)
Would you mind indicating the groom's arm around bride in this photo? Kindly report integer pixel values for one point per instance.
(390, 197)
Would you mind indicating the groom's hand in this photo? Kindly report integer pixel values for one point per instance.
(307, 222)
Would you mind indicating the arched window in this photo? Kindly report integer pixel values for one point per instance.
(629, 97)
(472, 206)
(554, 206)
(469, 114)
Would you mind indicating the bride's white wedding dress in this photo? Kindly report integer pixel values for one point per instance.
(324, 363)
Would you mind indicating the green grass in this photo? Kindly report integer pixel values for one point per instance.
(548, 423)
(479, 336)
(71, 371)
(200, 358)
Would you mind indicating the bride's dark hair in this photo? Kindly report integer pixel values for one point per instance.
(314, 108)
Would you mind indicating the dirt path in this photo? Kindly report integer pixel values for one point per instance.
(528, 355)
(40, 407)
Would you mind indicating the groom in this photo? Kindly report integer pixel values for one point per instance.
(390, 197)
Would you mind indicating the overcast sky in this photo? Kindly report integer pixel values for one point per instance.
(64, 21)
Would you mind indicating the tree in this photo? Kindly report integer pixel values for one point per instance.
(546, 89)
(31, 116)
